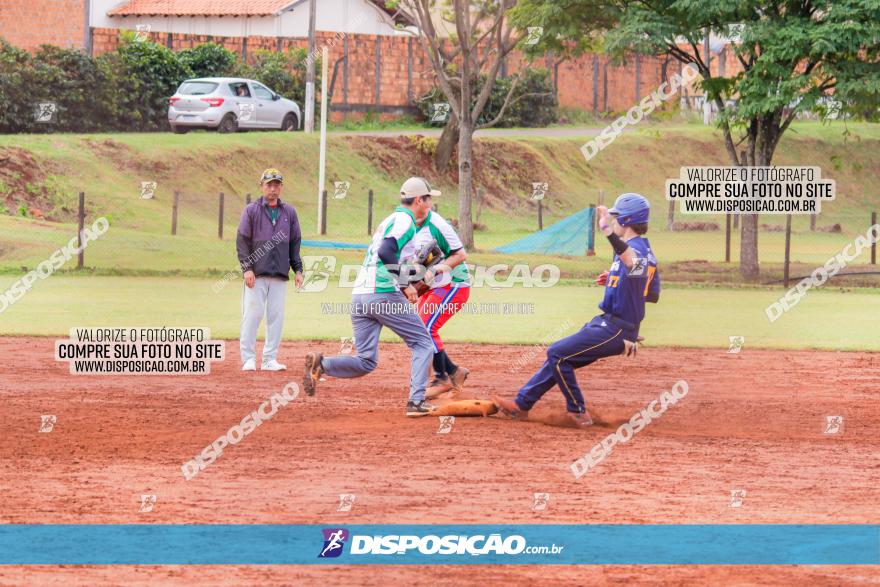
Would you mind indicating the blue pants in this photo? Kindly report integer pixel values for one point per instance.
(596, 339)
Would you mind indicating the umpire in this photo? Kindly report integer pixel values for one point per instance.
(268, 242)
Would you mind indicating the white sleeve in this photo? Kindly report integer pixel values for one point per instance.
(449, 234)
(399, 226)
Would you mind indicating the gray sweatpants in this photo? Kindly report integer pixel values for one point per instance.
(265, 298)
(369, 313)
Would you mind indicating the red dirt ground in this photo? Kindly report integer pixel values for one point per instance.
(751, 421)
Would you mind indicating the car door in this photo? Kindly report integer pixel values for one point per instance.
(269, 111)
(245, 105)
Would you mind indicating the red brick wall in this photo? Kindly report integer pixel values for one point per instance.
(615, 90)
(35, 22)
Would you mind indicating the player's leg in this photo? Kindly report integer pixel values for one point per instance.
(450, 305)
(595, 340)
(427, 305)
(591, 342)
(538, 384)
(276, 294)
(397, 314)
(366, 329)
(253, 306)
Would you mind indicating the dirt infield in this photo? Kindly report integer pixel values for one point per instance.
(752, 421)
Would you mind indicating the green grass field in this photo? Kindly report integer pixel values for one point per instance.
(139, 274)
(692, 317)
(109, 169)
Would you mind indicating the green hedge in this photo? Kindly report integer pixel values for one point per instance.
(126, 89)
(533, 103)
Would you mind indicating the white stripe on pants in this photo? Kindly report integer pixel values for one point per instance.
(265, 298)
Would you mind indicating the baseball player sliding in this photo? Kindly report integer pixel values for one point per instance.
(632, 280)
(384, 297)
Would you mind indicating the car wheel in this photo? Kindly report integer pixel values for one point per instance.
(179, 130)
(229, 123)
(290, 123)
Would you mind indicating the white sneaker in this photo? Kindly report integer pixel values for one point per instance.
(249, 365)
(273, 365)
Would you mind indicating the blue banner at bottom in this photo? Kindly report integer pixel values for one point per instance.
(536, 544)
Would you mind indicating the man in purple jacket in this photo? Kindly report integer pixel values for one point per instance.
(268, 243)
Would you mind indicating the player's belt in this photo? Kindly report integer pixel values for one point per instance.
(620, 322)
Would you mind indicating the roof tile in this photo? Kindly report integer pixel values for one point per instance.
(199, 7)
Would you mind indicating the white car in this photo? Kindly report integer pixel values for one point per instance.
(228, 104)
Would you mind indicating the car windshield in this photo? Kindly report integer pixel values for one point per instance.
(197, 88)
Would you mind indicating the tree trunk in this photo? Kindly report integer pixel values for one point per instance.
(748, 249)
(465, 175)
(748, 246)
(446, 145)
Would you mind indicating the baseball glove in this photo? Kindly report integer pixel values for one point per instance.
(427, 256)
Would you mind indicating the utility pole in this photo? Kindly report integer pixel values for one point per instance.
(310, 71)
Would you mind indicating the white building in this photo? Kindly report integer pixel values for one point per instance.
(244, 18)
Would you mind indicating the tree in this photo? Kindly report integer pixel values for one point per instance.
(794, 55)
(483, 38)
(208, 60)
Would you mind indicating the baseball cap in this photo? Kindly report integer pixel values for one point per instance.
(417, 186)
(271, 174)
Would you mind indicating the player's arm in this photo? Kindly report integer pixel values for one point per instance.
(388, 254)
(244, 248)
(295, 259)
(455, 252)
(455, 258)
(244, 244)
(623, 251)
(652, 293)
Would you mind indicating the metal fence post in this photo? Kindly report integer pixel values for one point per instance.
(591, 233)
(727, 240)
(874, 244)
(787, 248)
(220, 218)
(370, 213)
(174, 213)
(81, 217)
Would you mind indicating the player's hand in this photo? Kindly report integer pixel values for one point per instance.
(249, 278)
(429, 276)
(604, 217)
(298, 280)
(603, 278)
(411, 294)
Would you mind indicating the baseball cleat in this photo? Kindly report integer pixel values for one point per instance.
(416, 409)
(458, 378)
(313, 372)
(579, 420)
(510, 409)
(249, 365)
(273, 365)
(438, 385)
